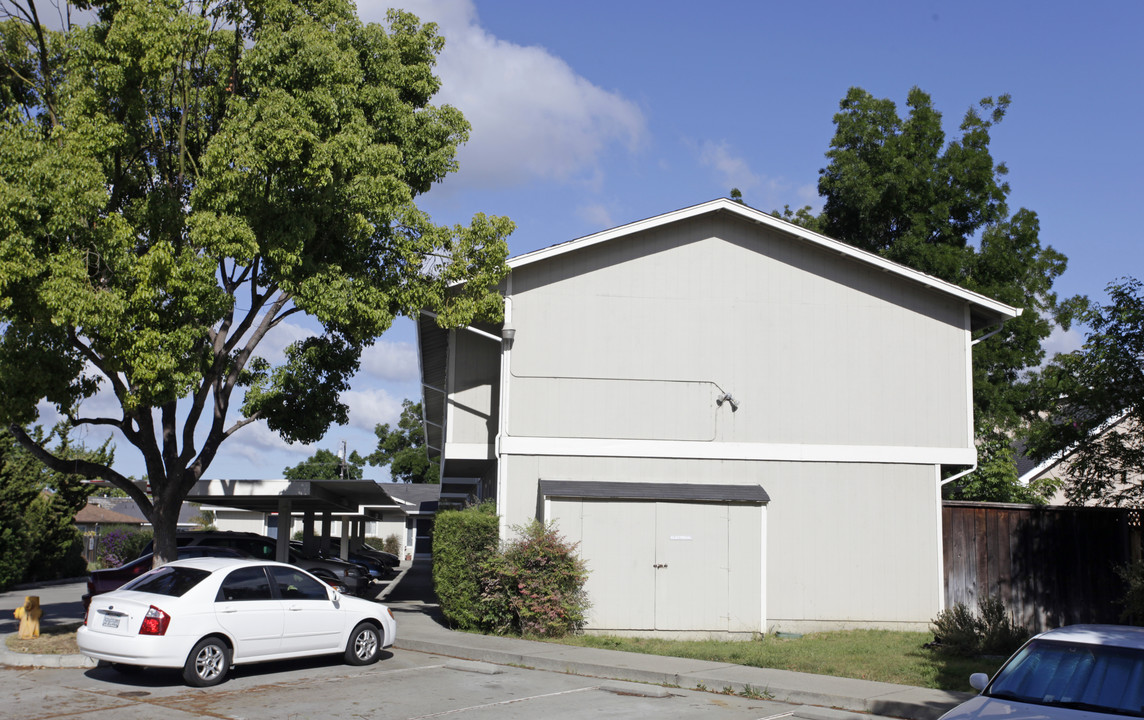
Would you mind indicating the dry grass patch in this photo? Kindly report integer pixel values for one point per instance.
(53, 640)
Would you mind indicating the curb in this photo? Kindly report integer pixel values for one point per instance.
(15, 659)
(47, 583)
(893, 701)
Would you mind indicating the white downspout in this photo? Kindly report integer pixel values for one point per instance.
(502, 412)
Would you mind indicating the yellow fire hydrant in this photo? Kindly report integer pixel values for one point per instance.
(29, 617)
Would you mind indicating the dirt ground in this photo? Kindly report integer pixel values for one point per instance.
(55, 640)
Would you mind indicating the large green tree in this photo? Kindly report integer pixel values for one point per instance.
(896, 187)
(403, 448)
(1096, 396)
(177, 178)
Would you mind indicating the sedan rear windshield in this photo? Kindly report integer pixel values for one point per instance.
(167, 580)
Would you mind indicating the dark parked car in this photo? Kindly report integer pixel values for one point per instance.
(102, 581)
(379, 568)
(347, 577)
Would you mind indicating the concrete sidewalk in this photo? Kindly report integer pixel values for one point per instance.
(420, 627)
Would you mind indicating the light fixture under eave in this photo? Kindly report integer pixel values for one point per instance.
(726, 398)
(508, 334)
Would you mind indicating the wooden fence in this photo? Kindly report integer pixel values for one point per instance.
(1052, 566)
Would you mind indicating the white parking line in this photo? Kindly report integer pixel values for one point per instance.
(503, 702)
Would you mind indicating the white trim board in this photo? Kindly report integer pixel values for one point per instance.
(581, 447)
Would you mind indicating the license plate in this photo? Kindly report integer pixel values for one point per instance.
(110, 621)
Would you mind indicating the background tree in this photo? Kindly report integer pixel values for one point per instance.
(38, 536)
(1096, 396)
(179, 178)
(895, 187)
(325, 465)
(403, 448)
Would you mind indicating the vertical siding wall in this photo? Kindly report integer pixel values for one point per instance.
(636, 339)
(1052, 566)
(847, 544)
(852, 545)
(473, 392)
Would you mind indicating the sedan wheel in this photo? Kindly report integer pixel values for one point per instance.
(364, 646)
(208, 663)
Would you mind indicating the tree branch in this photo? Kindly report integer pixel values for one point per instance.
(84, 468)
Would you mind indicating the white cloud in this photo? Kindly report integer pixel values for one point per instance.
(392, 361)
(273, 345)
(596, 214)
(532, 116)
(733, 170)
(1062, 341)
(371, 407)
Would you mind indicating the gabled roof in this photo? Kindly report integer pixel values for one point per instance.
(91, 514)
(984, 311)
(433, 341)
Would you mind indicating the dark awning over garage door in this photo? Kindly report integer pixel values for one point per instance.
(664, 492)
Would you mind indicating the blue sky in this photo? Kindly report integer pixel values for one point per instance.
(591, 114)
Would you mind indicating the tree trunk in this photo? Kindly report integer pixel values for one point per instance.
(164, 523)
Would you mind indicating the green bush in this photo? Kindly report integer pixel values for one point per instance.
(1133, 601)
(1000, 634)
(463, 541)
(990, 632)
(535, 585)
(391, 544)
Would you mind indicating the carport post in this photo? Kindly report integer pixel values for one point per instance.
(308, 531)
(327, 523)
(284, 518)
(346, 530)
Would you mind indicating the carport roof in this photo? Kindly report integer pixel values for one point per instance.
(668, 492)
(338, 496)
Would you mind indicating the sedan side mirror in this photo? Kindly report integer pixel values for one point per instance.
(978, 681)
(332, 593)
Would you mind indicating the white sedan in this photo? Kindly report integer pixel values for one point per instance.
(205, 615)
(1079, 672)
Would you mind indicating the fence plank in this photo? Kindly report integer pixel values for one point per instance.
(1051, 565)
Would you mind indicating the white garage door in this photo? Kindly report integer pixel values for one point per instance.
(670, 566)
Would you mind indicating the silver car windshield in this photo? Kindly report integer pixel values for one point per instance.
(1097, 678)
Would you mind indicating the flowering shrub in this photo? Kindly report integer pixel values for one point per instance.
(535, 585)
(120, 545)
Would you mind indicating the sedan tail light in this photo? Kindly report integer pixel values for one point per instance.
(155, 622)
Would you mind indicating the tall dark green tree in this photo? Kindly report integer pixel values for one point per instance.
(1096, 396)
(38, 536)
(325, 465)
(178, 178)
(403, 448)
(896, 187)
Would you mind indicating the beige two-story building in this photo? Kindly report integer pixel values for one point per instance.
(743, 424)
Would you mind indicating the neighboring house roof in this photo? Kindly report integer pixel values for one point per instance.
(414, 498)
(127, 507)
(1029, 470)
(92, 514)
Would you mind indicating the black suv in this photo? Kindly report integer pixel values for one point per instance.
(350, 576)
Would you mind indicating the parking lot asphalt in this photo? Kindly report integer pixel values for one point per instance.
(421, 629)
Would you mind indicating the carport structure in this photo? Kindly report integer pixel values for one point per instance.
(353, 502)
